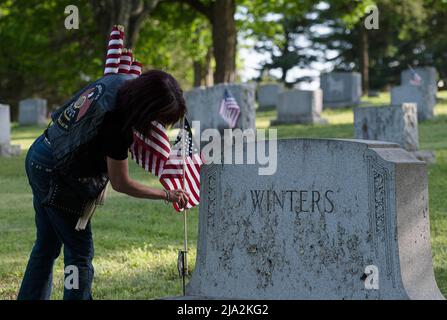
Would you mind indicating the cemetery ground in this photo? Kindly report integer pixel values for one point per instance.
(136, 241)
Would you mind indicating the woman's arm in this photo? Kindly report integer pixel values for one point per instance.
(121, 182)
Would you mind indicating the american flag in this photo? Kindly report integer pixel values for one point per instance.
(182, 170)
(416, 80)
(151, 153)
(114, 50)
(229, 109)
(125, 61)
(136, 68)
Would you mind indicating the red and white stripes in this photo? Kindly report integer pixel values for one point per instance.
(136, 68)
(119, 59)
(114, 50)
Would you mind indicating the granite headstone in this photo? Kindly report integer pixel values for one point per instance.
(268, 95)
(340, 219)
(341, 89)
(300, 106)
(33, 112)
(428, 75)
(397, 124)
(421, 95)
(6, 149)
(204, 105)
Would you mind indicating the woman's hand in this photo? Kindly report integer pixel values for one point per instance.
(178, 196)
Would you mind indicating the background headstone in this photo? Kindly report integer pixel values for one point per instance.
(398, 124)
(268, 95)
(300, 106)
(429, 77)
(341, 89)
(204, 105)
(6, 149)
(33, 112)
(421, 95)
(333, 211)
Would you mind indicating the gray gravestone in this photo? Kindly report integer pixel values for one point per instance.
(421, 95)
(32, 112)
(341, 89)
(204, 105)
(397, 124)
(337, 216)
(6, 149)
(268, 95)
(429, 77)
(300, 106)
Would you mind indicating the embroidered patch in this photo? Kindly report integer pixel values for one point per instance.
(79, 108)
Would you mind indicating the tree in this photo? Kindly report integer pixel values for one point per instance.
(220, 14)
(130, 13)
(282, 37)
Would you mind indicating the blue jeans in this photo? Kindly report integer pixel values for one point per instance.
(54, 229)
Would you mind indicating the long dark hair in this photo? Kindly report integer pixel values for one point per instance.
(154, 96)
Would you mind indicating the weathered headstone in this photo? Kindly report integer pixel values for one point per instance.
(268, 95)
(429, 77)
(341, 89)
(340, 219)
(398, 124)
(6, 149)
(32, 112)
(300, 106)
(204, 105)
(421, 95)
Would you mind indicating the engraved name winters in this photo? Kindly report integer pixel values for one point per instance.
(297, 201)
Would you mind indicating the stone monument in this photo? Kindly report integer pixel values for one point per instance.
(340, 219)
(33, 112)
(300, 106)
(268, 95)
(6, 149)
(204, 105)
(341, 89)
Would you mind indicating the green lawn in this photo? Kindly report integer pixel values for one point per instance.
(136, 241)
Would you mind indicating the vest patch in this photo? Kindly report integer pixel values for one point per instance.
(78, 109)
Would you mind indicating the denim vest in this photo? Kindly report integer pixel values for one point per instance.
(78, 121)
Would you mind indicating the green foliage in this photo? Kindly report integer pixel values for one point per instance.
(39, 55)
(172, 39)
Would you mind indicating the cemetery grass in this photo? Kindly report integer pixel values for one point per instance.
(136, 241)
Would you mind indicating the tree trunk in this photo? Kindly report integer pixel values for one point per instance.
(364, 58)
(130, 13)
(198, 71)
(224, 40)
(208, 76)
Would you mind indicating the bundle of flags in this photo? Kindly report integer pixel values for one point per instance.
(229, 109)
(120, 60)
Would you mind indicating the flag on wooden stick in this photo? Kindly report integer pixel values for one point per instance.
(114, 50)
(229, 109)
(182, 169)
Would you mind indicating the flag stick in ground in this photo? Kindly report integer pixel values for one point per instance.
(185, 225)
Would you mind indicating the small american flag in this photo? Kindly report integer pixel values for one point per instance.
(136, 68)
(416, 80)
(125, 61)
(182, 170)
(114, 50)
(229, 109)
(151, 153)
